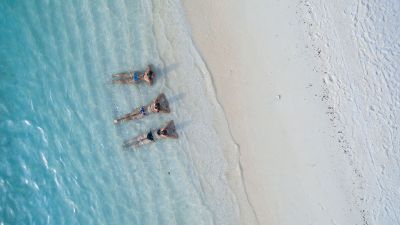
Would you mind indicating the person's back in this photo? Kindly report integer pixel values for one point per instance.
(158, 105)
(133, 77)
(168, 131)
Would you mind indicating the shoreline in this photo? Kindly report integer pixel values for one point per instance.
(267, 80)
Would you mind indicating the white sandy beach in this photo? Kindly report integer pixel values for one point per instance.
(272, 67)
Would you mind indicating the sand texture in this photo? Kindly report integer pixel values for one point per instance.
(311, 93)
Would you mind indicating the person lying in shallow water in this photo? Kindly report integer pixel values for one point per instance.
(158, 105)
(168, 131)
(132, 77)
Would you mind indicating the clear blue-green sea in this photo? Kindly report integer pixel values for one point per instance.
(61, 156)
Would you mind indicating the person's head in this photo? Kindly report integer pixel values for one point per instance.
(150, 75)
(157, 106)
(162, 132)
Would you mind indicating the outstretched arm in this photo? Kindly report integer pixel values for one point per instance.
(173, 135)
(170, 126)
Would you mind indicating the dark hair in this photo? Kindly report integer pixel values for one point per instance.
(150, 74)
(163, 132)
(157, 105)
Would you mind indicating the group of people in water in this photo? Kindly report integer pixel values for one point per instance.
(158, 105)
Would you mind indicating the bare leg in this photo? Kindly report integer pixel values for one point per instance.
(138, 141)
(131, 142)
(123, 78)
(123, 81)
(129, 116)
(124, 75)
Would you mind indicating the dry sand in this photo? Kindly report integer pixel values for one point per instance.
(267, 78)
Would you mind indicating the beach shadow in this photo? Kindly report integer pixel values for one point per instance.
(182, 125)
(176, 98)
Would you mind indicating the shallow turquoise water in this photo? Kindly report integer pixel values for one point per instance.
(61, 157)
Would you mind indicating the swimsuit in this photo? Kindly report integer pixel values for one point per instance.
(143, 111)
(136, 76)
(150, 136)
